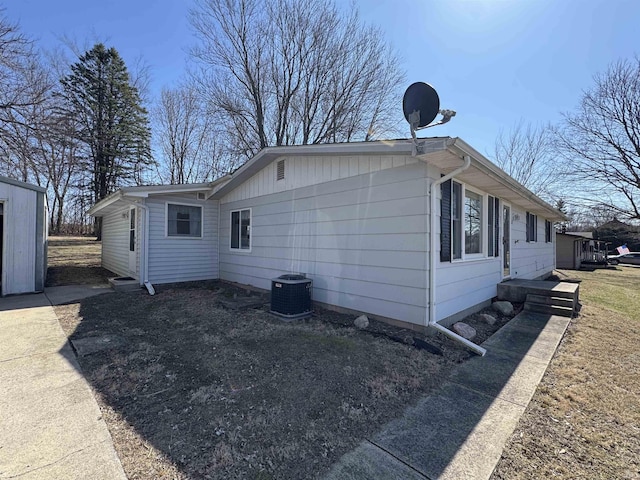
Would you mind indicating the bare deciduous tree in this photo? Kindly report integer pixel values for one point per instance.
(24, 85)
(527, 154)
(22, 82)
(601, 140)
(288, 72)
(187, 138)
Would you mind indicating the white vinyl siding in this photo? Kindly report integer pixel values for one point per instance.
(115, 242)
(529, 260)
(182, 258)
(306, 171)
(462, 285)
(361, 239)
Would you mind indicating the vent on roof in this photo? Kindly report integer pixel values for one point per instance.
(200, 196)
(280, 170)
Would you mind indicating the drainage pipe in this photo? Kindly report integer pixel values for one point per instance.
(430, 317)
(144, 274)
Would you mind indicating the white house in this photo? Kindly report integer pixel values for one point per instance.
(378, 228)
(23, 237)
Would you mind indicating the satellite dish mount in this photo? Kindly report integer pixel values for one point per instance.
(421, 105)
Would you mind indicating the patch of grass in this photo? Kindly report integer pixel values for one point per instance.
(584, 419)
(75, 261)
(612, 288)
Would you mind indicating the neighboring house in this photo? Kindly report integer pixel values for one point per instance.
(23, 237)
(356, 218)
(575, 250)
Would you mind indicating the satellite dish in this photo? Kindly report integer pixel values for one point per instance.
(420, 104)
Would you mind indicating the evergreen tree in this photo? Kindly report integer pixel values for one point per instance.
(113, 124)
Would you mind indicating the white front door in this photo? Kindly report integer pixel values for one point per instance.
(506, 241)
(132, 241)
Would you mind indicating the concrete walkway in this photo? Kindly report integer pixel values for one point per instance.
(50, 423)
(459, 431)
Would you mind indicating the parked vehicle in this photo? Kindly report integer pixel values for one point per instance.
(631, 258)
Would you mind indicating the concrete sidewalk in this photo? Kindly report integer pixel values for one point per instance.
(50, 423)
(459, 431)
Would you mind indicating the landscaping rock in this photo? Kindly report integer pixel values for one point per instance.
(488, 319)
(464, 330)
(505, 308)
(361, 322)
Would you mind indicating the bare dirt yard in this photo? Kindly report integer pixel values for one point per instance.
(584, 420)
(193, 387)
(74, 261)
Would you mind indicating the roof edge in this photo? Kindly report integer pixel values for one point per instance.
(143, 191)
(18, 183)
(502, 176)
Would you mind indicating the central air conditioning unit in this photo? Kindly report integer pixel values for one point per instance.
(291, 296)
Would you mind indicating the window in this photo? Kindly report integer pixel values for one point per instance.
(280, 170)
(132, 230)
(548, 229)
(493, 227)
(532, 227)
(184, 220)
(463, 222)
(241, 229)
(472, 222)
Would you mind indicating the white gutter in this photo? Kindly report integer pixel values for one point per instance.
(144, 259)
(430, 317)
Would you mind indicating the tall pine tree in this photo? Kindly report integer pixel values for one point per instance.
(113, 124)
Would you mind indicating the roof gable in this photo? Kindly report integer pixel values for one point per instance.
(446, 153)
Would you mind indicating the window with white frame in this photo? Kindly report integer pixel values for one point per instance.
(548, 231)
(472, 222)
(467, 230)
(241, 229)
(184, 220)
(532, 227)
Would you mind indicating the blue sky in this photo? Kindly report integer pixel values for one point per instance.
(495, 62)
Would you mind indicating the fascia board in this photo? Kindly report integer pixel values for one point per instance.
(487, 167)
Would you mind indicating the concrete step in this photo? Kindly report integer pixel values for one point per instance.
(549, 309)
(517, 290)
(549, 300)
(124, 284)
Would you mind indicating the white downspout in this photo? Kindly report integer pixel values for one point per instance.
(430, 317)
(144, 259)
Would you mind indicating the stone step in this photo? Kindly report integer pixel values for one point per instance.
(549, 309)
(548, 300)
